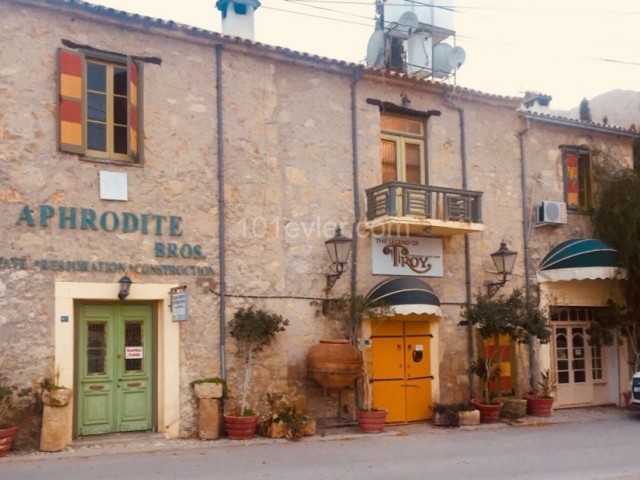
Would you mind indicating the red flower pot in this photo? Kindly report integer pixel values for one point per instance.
(489, 413)
(372, 421)
(6, 439)
(539, 406)
(240, 428)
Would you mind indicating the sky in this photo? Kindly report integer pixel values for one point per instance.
(569, 49)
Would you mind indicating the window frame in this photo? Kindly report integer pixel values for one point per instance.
(402, 139)
(74, 118)
(583, 179)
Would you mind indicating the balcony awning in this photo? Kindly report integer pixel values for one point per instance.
(405, 296)
(579, 259)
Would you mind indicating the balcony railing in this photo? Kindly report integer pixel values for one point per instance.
(424, 202)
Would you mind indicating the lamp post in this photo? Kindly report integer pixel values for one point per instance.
(504, 260)
(339, 248)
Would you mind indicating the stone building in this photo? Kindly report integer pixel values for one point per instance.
(190, 161)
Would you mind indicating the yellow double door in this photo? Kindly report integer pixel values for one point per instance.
(401, 376)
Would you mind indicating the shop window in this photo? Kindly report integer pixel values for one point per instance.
(99, 110)
(577, 178)
(402, 149)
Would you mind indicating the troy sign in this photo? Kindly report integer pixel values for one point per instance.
(417, 256)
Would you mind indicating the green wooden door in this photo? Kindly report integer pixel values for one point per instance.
(114, 368)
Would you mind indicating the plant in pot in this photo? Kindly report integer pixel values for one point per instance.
(370, 418)
(253, 329)
(488, 371)
(10, 397)
(515, 318)
(540, 403)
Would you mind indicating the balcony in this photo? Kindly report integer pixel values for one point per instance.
(397, 208)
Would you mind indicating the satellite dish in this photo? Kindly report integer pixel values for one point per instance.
(375, 49)
(441, 66)
(456, 57)
(408, 20)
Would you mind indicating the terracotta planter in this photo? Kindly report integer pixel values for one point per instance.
(489, 413)
(513, 407)
(334, 364)
(7, 435)
(539, 406)
(372, 421)
(240, 428)
(56, 397)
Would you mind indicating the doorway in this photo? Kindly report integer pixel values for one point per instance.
(574, 364)
(401, 377)
(115, 368)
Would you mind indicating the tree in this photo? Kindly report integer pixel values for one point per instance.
(616, 221)
(585, 111)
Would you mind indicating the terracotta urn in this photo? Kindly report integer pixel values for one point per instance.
(334, 364)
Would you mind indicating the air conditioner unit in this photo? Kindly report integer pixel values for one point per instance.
(551, 213)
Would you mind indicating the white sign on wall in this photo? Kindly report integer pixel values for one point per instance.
(179, 304)
(133, 352)
(415, 256)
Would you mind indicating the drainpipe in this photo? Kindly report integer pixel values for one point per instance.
(221, 225)
(467, 247)
(355, 78)
(527, 254)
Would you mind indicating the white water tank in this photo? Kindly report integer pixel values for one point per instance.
(238, 17)
(436, 13)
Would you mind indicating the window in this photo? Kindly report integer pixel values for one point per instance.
(99, 105)
(577, 178)
(402, 150)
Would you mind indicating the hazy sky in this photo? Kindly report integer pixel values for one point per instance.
(569, 49)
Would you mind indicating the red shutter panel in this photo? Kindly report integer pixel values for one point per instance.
(134, 111)
(71, 71)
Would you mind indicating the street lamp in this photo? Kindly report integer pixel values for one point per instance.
(503, 259)
(339, 248)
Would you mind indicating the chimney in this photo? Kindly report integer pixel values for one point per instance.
(237, 17)
(536, 102)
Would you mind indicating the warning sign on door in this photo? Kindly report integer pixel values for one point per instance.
(133, 352)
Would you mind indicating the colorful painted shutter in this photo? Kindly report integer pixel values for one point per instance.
(498, 349)
(133, 110)
(71, 68)
(571, 172)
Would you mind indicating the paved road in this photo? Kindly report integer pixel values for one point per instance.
(596, 446)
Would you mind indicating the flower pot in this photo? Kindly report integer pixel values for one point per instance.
(513, 407)
(489, 413)
(334, 364)
(539, 406)
(372, 421)
(240, 428)
(7, 435)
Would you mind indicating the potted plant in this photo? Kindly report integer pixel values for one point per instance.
(488, 371)
(253, 329)
(10, 397)
(370, 418)
(515, 317)
(540, 403)
(284, 420)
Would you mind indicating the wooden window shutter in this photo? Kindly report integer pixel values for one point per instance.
(134, 110)
(72, 122)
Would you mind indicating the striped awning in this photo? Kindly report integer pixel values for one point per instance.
(405, 296)
(579, 259)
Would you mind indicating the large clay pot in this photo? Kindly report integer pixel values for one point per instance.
(334, 364)
(539, 406)
(6, 439)
(240, 428)
(372, 421)
(489, 413)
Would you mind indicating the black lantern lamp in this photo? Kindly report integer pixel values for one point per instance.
(125, 284)
(339, 248)
(504, 260)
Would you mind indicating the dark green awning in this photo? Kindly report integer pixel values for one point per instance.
(405, 295)
(579, 259)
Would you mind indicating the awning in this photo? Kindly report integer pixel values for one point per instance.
(405, 295)
(579, 259)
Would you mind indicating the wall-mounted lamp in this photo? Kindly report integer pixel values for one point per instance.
(339, 248)
(125, 284)
(504, 259)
